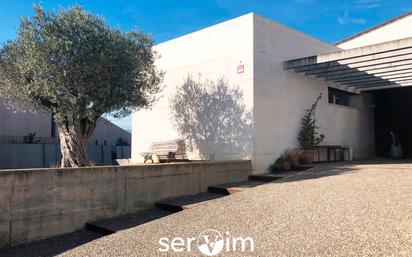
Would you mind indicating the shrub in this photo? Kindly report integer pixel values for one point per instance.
(308, 135)
(293, 155)
(31, 138)
(282, 163)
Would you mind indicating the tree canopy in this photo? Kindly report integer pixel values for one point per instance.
(71, 64)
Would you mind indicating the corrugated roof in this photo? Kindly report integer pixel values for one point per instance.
(374, 28)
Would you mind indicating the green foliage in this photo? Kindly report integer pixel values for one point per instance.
(31, 138)
(280, 163)
(71, 64)
(308, 135)
(280, 160)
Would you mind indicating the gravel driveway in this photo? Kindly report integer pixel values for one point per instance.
(333, 210)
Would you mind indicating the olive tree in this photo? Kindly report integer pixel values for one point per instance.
(71, 64)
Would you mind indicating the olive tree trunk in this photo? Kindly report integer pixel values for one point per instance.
(74, 137)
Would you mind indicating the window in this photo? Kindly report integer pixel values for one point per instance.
(339, 97)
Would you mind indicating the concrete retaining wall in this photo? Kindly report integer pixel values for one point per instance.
(40, 203)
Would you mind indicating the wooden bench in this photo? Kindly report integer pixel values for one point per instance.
(166, 151)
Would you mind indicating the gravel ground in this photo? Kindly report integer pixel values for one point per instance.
(131, 220)
(333, 210)
(51, 246)
(192, 201)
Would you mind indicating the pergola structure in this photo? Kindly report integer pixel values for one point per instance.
(371, 67)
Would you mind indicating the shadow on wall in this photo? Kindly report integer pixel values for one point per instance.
(213, 119)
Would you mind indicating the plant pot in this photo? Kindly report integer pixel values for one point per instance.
(308, 156)
(286, 166)
(295, 161)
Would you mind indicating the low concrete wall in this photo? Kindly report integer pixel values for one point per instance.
(40, 203)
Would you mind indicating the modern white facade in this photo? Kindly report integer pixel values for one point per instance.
(211, 53)
(397, 28)
(250, 52)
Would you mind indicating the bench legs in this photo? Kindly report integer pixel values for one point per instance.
(171, 156)
(336, 151)
(148, 157)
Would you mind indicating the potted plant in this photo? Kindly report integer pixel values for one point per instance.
(287, 165)
(282, 163)
(309, 137)
(293, 155)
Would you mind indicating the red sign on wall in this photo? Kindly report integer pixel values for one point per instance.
(240, 68)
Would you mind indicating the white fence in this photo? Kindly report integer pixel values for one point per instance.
(16, 156)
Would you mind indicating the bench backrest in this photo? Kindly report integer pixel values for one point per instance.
(165, 147)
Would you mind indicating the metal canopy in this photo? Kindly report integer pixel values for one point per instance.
(366, 68)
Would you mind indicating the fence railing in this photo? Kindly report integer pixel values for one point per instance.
(20, 140)
(16, 156)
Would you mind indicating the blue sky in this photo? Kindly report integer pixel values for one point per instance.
(329, 20)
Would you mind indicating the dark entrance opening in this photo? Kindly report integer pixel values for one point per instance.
(393, 112)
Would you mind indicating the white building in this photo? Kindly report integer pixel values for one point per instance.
(15, 125)
(268, 62)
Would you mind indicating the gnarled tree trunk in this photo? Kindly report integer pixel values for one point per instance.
(74, 136)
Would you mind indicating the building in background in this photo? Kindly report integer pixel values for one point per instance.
(279, 72)
(14, 126)
(18, 149)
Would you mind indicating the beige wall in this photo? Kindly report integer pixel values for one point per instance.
(39, 203)
(398, 29)
(208, 54)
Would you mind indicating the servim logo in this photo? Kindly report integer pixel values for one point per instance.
(210, 243)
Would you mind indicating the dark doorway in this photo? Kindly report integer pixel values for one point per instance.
(393, 112)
